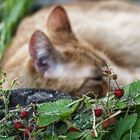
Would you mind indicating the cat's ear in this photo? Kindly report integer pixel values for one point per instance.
(58, 21)
(42, 51)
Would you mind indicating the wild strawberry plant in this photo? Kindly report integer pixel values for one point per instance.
(113, 117)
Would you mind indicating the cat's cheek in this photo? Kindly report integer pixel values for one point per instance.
(93, 89)
(105, 87)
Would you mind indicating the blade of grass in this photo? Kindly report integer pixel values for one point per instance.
(14, 10)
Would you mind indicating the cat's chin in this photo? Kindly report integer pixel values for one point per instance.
(97, 91)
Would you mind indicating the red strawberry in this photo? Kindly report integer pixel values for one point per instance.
(106, 124)
(73, 129)
(113, 120)
(109, 122)
(17, 125)
(98, 112)
(118, 93)
(24, 114)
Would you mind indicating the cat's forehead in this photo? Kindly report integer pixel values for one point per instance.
(79, 53)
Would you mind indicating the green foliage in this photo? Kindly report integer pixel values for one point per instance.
(56, 111)
(122, 126)
(84, 121)
(73, 135)
(130, 136)
(131, 97)
(136, 127)
(13, 11)
(133, 90)
(9, 138)
(66, 119)
(90, 137)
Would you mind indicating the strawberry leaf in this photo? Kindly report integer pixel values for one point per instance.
(90, 137)
(73, 135)
(136, 127)
(129, 136)
(8, 138)
(133, 90)
(55, 111)
(122, 126)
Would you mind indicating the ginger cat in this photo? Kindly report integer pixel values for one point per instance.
(64, 46)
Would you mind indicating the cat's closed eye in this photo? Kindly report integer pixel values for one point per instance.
(97, 78)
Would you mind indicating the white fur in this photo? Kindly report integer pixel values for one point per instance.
(68, 71)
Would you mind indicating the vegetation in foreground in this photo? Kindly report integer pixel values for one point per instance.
(114, 117)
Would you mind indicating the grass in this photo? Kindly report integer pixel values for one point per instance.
(11, 12)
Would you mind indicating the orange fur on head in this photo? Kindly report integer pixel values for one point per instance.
(58, 20)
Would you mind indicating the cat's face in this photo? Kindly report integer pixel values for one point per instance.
(62, 62)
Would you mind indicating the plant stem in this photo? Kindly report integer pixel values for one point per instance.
(127, 111)
(6, 101)
(130, 134)
(94, 125)
(108, 94)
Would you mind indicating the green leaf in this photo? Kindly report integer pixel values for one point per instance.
(121, 105)
(84, 121)
(133, 90)
(73, 135)
(122, 126)
(137, 99)
(90, 137)
(51, 138)
(137, 107)
(136, 127)
(128, 136)
(8, 138)
(13, 12)
(55, 111)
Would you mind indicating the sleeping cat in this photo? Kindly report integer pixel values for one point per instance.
(66, 47)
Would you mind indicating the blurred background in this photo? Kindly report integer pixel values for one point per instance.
(12, 12)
